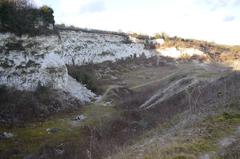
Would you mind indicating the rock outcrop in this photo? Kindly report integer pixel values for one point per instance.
(180, 52)
(27, 62)
(83, 47)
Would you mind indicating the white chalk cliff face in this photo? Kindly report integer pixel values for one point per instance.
(26, 62)
(82, 48)
(180, 52)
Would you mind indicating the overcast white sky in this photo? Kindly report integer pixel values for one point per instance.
(212, 20)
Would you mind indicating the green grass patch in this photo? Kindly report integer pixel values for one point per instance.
(228, 116)
(183, 156)
(32, 137)
(213, 128)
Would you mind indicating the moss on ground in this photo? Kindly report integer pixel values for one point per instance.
(32, 137)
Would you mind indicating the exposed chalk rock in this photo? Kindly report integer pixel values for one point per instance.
(180, 52)
(81, 48)
(26, 62)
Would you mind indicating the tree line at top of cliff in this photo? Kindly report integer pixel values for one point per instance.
(23, 17)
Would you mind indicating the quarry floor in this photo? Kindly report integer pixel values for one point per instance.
(107, 132)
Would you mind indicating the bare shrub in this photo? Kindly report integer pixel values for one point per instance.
(17, 107)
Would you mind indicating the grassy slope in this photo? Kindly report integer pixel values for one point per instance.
(188, 142)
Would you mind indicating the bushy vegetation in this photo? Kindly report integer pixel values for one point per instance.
(162, 35)
(17, 107)
(22, 17)
(85, 76)
(140, 36)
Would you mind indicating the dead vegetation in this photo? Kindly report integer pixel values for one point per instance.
(18, 107)
(182, 132)
(133, 122)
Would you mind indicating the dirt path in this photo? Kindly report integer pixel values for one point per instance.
(154, 81)
(189, 69)
(111, 87)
